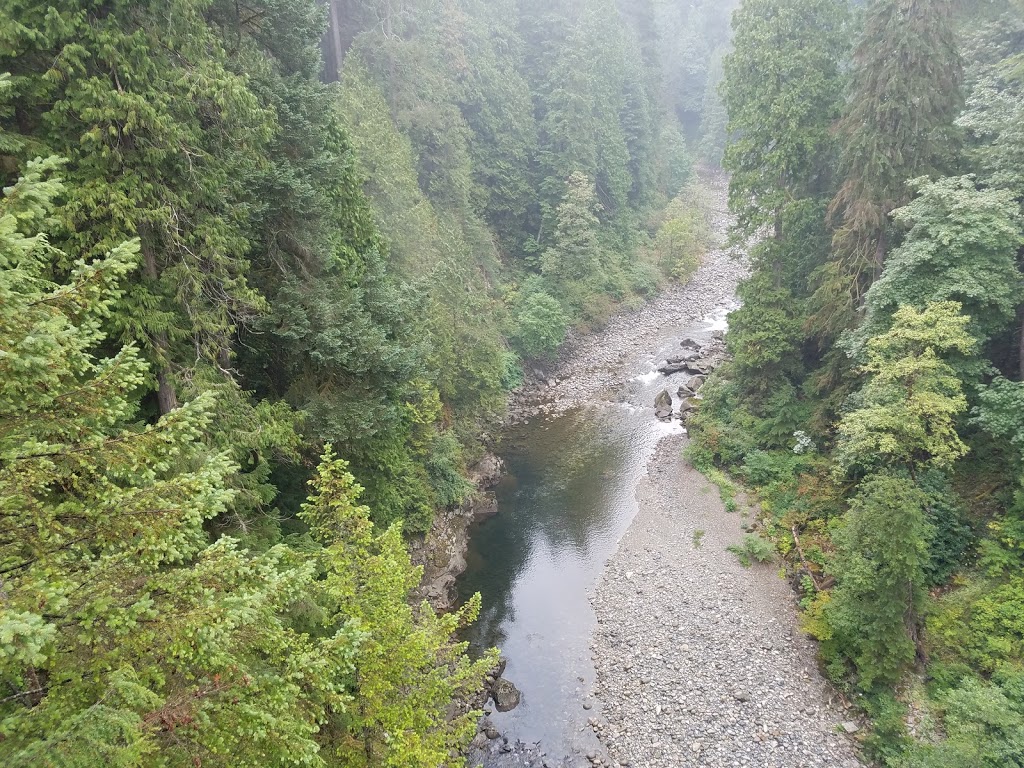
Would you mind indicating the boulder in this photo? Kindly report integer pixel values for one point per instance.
(487, 472)
(698, 367)
(663, 413)
(663, 401)
(686, 404)
(669, 368)
(696, 382)
(483, 507)
(687, 356)
(506, 696)
(684, 391)
(689, 343)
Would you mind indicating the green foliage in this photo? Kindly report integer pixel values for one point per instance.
(961, 246)
(984, 724)
(905, 92)
(408, 668)
(906, 412)
(684, 235)
(128, 638)
(881, 325)
(540, 324)
(979, 625)
(881, 553)
(753, 548)
(783, 89)
(674, 163)
(575, 252)
(444, 464)
(119, 614)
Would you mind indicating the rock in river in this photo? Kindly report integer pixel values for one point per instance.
(696, 382)
(506, 695)
(663, 401)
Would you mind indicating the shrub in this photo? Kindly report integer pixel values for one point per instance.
(540, 324)
(752, 548)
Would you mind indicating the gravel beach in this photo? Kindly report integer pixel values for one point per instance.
(699, 659)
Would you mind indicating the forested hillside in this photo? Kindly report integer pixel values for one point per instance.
(875, 400)
(233, 273)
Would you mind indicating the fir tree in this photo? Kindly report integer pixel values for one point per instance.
(905, 92)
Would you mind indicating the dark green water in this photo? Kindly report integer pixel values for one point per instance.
(567, 499)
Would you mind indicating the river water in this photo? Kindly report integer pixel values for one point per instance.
(567, 498)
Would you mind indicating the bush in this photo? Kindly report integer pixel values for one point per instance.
(443, 464)
(752, 548)
(984, 726)
(644, 278)
(540, 324)
(684, 236)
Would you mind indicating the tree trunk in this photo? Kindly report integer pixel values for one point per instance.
(880, 254)
(1020, 345)
(166, 396)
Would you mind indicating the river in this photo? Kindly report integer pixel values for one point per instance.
(568, 496)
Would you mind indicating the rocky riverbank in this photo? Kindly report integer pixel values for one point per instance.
(442, 550)
(589, 369)
(700, 661)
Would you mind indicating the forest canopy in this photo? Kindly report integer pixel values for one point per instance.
(268, 271)
(873, 400)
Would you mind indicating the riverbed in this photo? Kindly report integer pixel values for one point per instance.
(576, 451)
(568, 495)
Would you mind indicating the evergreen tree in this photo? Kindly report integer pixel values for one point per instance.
(161, 136)
(902, 423)
(575, 253)
(126, 637)
(783, 89)
(905, 92)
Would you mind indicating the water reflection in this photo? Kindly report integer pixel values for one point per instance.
(566, 500)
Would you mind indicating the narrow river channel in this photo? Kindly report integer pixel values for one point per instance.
(566, 500)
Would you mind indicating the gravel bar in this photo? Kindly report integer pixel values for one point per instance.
(700, 661)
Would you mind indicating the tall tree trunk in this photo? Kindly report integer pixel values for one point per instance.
(166, 396)
(1020, 345)
(880, 248)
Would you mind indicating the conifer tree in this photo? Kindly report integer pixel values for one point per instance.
(575, 251)
(903, 423)
(126, 637)
(783, 89)
(124, 634)
(905, 92)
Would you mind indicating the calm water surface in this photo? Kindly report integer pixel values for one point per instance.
(567, 498)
